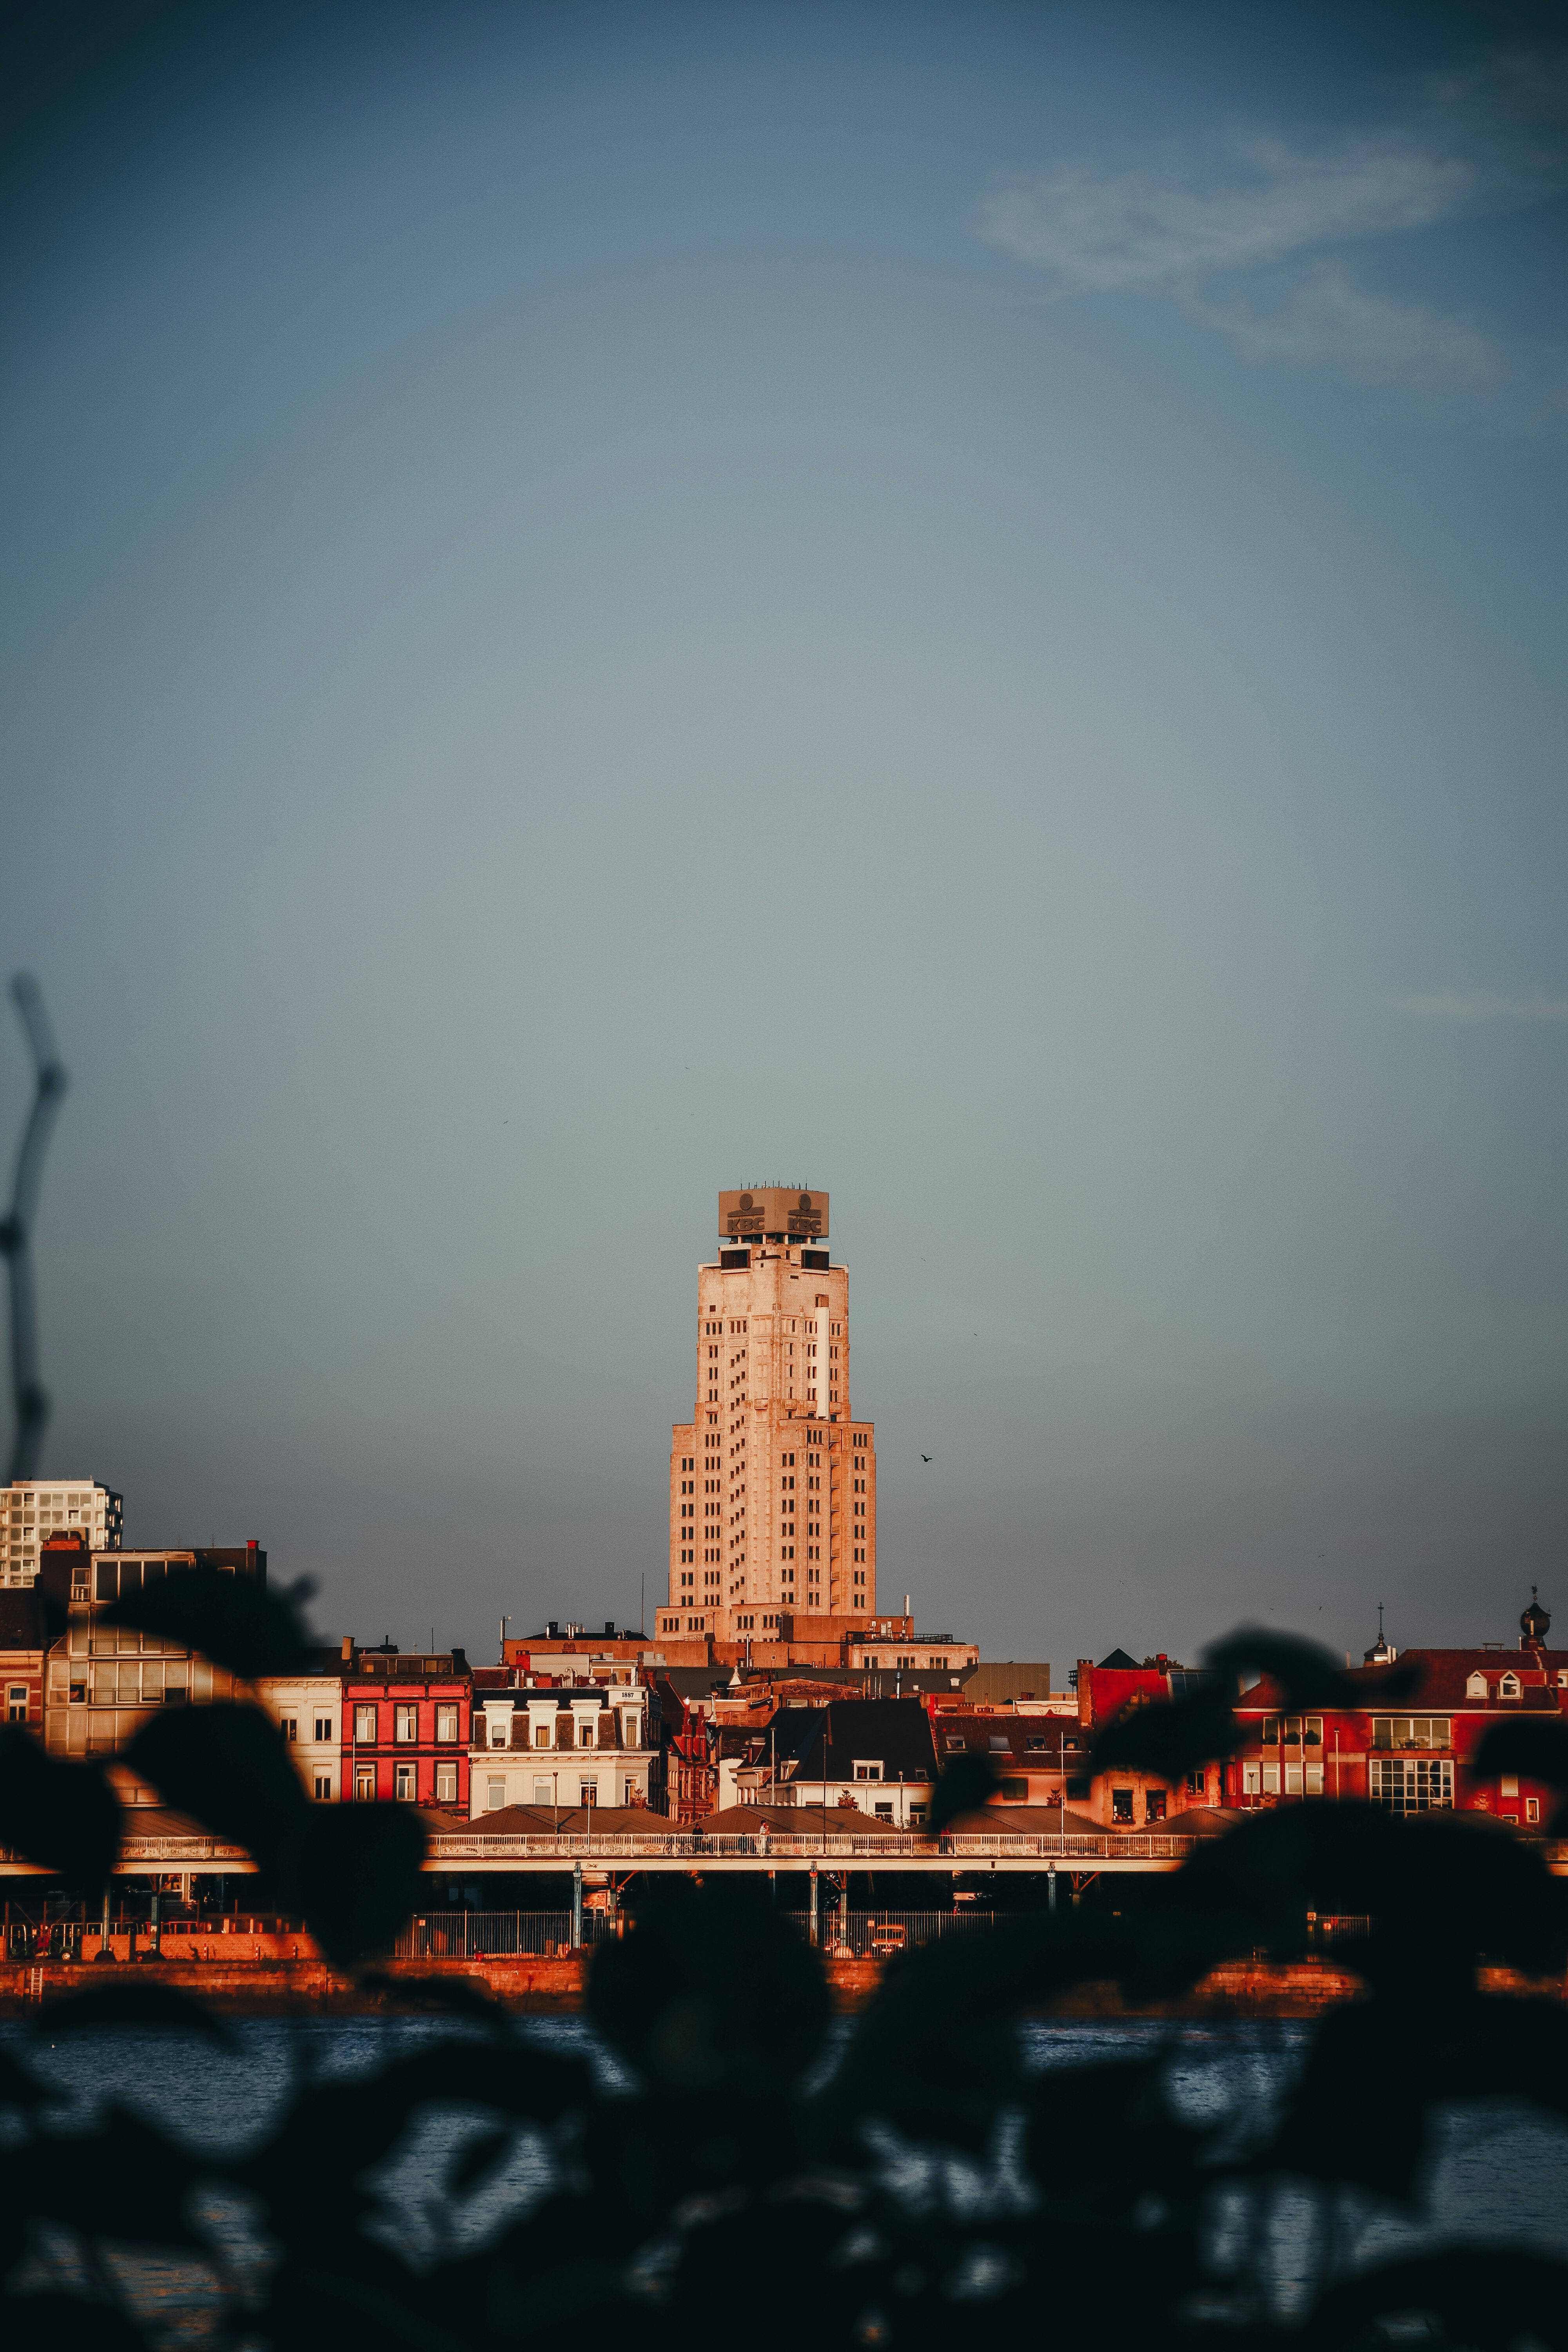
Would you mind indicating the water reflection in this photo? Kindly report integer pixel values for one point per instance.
(1497, 2172)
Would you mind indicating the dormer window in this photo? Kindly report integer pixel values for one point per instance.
(866, 1769)
(1509, 1686)
(1475, 1686)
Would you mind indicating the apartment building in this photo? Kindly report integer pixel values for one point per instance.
(405, 1717)
(307, 1706)
(773, 1481)
(103, 1680)
(33, 1509)
(587, 1741)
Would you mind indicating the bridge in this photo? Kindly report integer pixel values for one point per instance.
(690, 1852)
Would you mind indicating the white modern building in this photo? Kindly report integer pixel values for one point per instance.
(33, 1509)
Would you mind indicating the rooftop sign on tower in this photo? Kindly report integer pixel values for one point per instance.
(779, 1212)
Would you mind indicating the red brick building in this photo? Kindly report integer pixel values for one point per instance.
(405, 1723)
(1414, 1754)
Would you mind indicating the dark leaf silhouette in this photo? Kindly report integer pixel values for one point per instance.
(70, 2322)
(124, 2180)
(229, 1768)
(60, 1816)
(131, 2001)
(1168, 1737)
(236, 1620)
(713, 1992)
(1535, 1746)
(355, 1874)
(1490, 2300)
(462, 1997)
(479, 2158)
(962, 1786)
(1305, 1675)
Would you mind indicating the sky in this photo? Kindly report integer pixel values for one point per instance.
(962, 606)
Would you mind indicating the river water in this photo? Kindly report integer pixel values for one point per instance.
(1499, 2173)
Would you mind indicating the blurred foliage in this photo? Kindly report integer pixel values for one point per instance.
(238, 1622)
(742, 2183)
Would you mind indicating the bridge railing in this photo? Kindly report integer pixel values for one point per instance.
(832, 1845)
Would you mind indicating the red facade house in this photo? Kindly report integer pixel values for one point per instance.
(1415, 1755)
(406, 1718)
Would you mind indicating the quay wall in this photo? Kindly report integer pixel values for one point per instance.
(266, 1978)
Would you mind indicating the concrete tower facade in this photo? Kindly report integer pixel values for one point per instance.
(773, 1481)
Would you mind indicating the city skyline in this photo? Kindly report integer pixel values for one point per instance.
(601, 599)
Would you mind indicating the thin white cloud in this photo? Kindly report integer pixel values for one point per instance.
(1111, 231)
(1451, 1005)
(1258, 251)
(1322, 316)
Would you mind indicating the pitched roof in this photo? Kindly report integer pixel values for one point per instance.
(795, 1821)
(827, 1742)
(1036, 1740)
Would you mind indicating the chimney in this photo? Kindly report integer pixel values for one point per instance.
(347, 1648)
(906, 1604)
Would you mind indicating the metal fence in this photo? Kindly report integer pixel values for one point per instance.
(498, 1934)
(547, 1934)
(870, 1934)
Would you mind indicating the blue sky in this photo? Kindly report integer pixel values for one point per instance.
(959, 604)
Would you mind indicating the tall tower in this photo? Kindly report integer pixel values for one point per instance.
(773, 1481)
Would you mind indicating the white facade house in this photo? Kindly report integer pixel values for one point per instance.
(308, 1708)
(563, 1748)
(33, 1509)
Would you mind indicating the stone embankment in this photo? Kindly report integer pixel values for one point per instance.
(273, 1975)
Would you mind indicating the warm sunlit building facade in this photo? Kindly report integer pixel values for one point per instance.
(773, 1481)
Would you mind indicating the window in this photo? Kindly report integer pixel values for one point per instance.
(1411, 1784)
(585, 1735)
(883, 1813)
(1271, 1780)
(288, 1725)
(446, 1784)
(1410, 1731)
(1121, 1807)
(364, 1784)
(587, 1793)
(405, 1725)
(1251, 1780)
(446, 1724)
(500, 1734)
(1509, 1686)
(1532, 1808)
(16, 1702)
(495, 1796)
(1196, 1781)
(1154, 1804)
(541, 1734)
(324, 1787)
(403, 1784)
(1014, 1787)
(867, 1770)
(364, 1726)
(1475, 1686)
(543, 1792)
(324, 1727)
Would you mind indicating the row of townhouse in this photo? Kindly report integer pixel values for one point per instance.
(366, 1726)
(773, 1742)
(1414, 1754)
